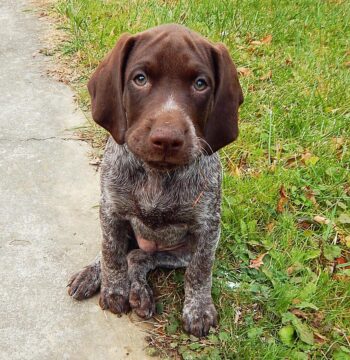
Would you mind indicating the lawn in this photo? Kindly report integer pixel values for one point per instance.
(282, 274)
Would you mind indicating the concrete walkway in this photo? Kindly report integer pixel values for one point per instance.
(49, 224)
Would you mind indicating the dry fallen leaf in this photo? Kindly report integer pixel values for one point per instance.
(270, 226)
(321, 219)
(255, 42)
(256, 263)
(338, 142)
(243, 71)
(251, 88)
(292, 161)
(299, 313)
(290, 270)
(341, 260)
(317, 319)
(283, 200)
(266, 76)
(237, 315)
(347, 188)
(305, 158)
(340, 277)
(308, 159)
(306, 223)
(267, 39)
(289, 61)
(310, 194)
(347, 64)
(320, 339)
(342, 235)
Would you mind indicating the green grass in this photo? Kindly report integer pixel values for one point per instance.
(294, 132)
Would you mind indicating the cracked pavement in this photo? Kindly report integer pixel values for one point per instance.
(49, 224)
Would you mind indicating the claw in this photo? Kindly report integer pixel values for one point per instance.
(114, 302)
(85, 283)
(198, 318)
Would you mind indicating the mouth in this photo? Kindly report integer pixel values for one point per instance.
(162, 165)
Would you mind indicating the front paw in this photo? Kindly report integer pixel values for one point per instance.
(141, 299)
(115, 299)
(199, 316)
(85, 283)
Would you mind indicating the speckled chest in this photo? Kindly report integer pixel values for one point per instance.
(159, 204)
(157, 212)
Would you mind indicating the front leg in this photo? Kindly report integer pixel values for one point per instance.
(115, 285)
(199, 312)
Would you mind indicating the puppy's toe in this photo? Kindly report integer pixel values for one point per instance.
(114, 300)
(85, 283)
(198, 318)
(141, 300)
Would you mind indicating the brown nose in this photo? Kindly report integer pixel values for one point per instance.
(165, 139)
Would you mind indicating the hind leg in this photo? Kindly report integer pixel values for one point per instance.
(139, 264)
(86, 282)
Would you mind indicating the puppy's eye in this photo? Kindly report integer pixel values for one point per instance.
(200, 84)
(140, 79)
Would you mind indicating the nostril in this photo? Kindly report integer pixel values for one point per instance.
(158, 143)
(176, 144)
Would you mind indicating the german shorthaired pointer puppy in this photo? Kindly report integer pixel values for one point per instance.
(169, 98)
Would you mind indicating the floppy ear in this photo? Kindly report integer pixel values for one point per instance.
(106, 89)
(222, 124)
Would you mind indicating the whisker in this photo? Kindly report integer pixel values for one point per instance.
(203, 149)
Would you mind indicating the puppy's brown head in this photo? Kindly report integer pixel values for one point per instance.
(169, 94)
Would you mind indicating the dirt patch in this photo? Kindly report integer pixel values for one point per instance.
(65, 68)
(61, 68)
